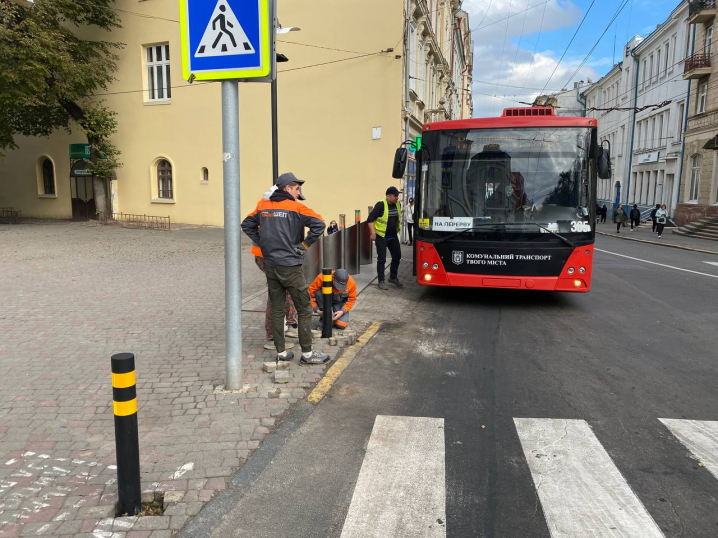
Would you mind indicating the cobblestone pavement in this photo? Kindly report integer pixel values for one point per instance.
(644, 233)
(71, 295)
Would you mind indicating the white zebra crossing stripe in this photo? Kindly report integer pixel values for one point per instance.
(401, 489)
(698, 436)
(581, 491)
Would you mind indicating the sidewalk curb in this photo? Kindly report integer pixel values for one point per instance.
(216, 509)
(670, 245)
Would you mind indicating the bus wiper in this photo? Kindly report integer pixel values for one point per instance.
(493, 224)
(561, 237)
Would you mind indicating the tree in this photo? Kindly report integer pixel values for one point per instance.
(50, 68)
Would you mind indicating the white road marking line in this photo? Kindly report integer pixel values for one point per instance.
(656, 263)
(582, 492)
(698, 436)
(401, 489)
(712, 263)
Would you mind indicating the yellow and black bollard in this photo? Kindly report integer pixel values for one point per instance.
(127, 443)
(327, 290)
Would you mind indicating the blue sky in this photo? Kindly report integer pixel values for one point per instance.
(516, 56)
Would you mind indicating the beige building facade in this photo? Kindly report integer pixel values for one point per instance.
(340, 103)
(699, 185)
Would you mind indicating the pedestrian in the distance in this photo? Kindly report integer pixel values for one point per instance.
(344, 295)
(653, 217)
(635, 216)
(385, 224)
(620, 217)
(410, 220)
(332, 228)
(277, 226)
(661, 219)
(604, 212)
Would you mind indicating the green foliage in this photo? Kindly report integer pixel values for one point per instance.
(53, 57)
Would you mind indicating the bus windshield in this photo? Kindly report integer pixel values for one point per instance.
(483, 177)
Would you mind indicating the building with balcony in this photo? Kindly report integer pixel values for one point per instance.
(660, 100)
(341, 102)
(609, 101)
(699, 182)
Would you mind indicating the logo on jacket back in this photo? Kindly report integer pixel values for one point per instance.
(269, 214)
(458, 257)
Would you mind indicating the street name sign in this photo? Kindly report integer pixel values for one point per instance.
(227, 39)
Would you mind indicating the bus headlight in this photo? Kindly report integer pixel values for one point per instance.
(425, 265)
(427, 278)
(435, 266)
(577, 283)
(581, 270)
(571, 270)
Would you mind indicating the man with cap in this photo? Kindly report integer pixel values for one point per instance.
(385, 225)
(344, 295)
(277, 227)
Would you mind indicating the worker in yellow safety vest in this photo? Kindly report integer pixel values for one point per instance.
(385, 225)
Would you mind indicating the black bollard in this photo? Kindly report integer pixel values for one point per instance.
(327, 290)
(127, 442)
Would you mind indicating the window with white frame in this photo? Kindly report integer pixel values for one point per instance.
(709, 40)
(46, 177)
(695, 177)
(660, 132)
(159, 82)
(650, 68)
(666, 50)
(621, 141)
(701, 98)
(674, 41)
(413, 55)
(658, 63)
(652, 140)
(681, 114)
(666, 123)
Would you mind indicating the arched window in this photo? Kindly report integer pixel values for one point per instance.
(205, 175)
(164, 179)
(48, 176)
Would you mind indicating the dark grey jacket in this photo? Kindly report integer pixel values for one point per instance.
(277, 226)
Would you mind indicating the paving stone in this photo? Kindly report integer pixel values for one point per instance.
(282, 376)
(152, 523)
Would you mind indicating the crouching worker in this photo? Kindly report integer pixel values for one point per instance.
(344, 295)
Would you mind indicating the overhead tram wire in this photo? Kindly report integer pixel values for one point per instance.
(196, 84)
(608, 27)
(518, 46)
(533, 54)
(503, 47)
(569, 44)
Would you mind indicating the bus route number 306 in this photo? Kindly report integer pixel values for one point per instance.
(580, 226)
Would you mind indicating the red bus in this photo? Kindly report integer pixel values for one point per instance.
(507, 202)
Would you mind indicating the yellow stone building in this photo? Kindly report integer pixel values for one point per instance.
(341, 103)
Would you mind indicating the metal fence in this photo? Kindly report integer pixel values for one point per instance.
(349, 248)
(127, 220)
(9, 215)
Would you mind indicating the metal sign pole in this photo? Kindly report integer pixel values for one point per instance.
(232, 239)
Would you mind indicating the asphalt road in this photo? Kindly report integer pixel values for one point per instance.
(595, 371)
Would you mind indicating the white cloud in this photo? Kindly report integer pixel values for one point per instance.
(500, 59)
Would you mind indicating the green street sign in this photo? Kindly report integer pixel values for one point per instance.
(416, 144)
(79, 151)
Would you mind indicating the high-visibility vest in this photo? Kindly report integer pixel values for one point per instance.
(381, 222)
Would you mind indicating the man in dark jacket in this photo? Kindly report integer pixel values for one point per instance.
(277, 226)
(384, 225)
(604, 212)
(653, 217)
(635, 216)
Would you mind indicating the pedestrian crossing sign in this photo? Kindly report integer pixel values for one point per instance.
(227, 39)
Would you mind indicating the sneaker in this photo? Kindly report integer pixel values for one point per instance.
(659, 237)
(382, 285)
(291, 333)
(285, 356)
(313, 357)
(396, 282)
(270, 345)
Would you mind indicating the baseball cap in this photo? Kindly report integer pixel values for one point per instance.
(341, 277)
(287, 178)
(393, 190)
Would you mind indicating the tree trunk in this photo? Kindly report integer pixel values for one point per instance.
(100, 198)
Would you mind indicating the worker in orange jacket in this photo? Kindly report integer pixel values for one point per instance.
(344, 296)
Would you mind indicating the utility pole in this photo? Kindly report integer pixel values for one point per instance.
(407, 106)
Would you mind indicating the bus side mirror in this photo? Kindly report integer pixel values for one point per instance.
(603, 163)
(400, 158)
